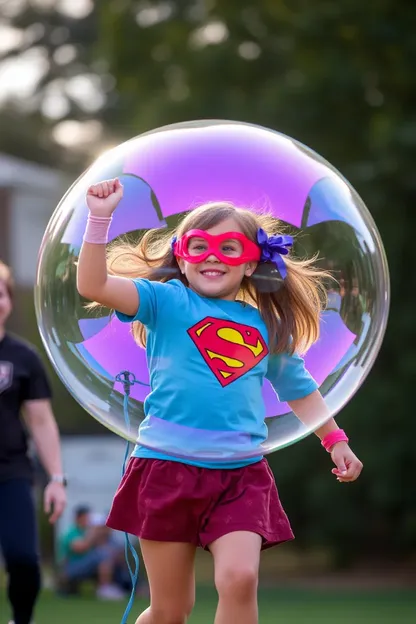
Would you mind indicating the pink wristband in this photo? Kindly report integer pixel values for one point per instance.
(97, 228)
(332, 438)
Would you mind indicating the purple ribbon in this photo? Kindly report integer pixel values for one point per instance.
(273, 248)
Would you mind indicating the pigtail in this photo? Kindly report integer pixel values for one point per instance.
(292, 312)
(144, 258)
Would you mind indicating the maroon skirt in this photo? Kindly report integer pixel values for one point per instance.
(170, 501)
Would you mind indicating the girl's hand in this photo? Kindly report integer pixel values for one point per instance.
(348, 466)
(104, 197)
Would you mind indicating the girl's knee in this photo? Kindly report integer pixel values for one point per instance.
(164, 616)
(239, 583)
(173, 613)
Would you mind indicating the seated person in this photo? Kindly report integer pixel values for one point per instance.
(88, 552)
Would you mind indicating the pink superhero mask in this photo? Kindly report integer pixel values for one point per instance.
(231, 248)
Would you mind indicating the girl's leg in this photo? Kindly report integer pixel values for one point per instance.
(236, 562)
(170, 570)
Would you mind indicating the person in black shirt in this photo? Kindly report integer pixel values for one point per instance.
(24, 392)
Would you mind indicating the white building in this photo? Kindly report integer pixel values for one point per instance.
(29, 193)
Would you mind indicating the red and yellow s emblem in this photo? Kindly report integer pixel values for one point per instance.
(230, 349)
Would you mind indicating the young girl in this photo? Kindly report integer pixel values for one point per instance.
(184, 294)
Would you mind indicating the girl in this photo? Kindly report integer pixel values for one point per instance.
(184, 296)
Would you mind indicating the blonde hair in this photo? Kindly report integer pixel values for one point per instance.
(291, 315)
(6, 276)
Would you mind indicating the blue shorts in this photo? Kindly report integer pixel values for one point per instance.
(86, 567)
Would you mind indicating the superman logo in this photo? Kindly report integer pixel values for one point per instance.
(230, 349)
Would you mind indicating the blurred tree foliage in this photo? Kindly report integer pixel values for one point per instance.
(340, 78)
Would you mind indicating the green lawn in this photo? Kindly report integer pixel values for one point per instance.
(276, 606)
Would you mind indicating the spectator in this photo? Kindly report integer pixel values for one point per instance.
(24, 391)
(87, 552)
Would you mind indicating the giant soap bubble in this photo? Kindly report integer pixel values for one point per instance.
(168, 172)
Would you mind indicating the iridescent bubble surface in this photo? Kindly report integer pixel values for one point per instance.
(168, 172)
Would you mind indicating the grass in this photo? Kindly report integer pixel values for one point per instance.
(290, 606)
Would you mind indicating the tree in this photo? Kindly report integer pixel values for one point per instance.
(340, 78)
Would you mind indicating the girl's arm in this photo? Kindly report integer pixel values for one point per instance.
(93, 281)
(312, 409)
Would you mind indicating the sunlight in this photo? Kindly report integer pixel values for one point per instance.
(55, 104)
(86, 91)
(11, 8)
(249, 50)
(149, 15)
(210, 34)
(77, 135)
(10, 38)
(77, 9)
(20, 76)
(65, 54)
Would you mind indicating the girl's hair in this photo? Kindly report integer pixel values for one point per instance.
(7, 278)
(291, 315)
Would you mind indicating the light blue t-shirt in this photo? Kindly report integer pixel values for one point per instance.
(207, 361)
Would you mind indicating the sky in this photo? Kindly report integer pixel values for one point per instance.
(19, 76)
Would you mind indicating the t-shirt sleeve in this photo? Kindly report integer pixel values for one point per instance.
(36, 385)
(289, 377)
(150, 297)
(65, 544)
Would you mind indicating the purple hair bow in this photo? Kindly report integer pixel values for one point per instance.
(273, 248)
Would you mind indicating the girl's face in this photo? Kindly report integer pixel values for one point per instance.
(212, 277)
(5, 304)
